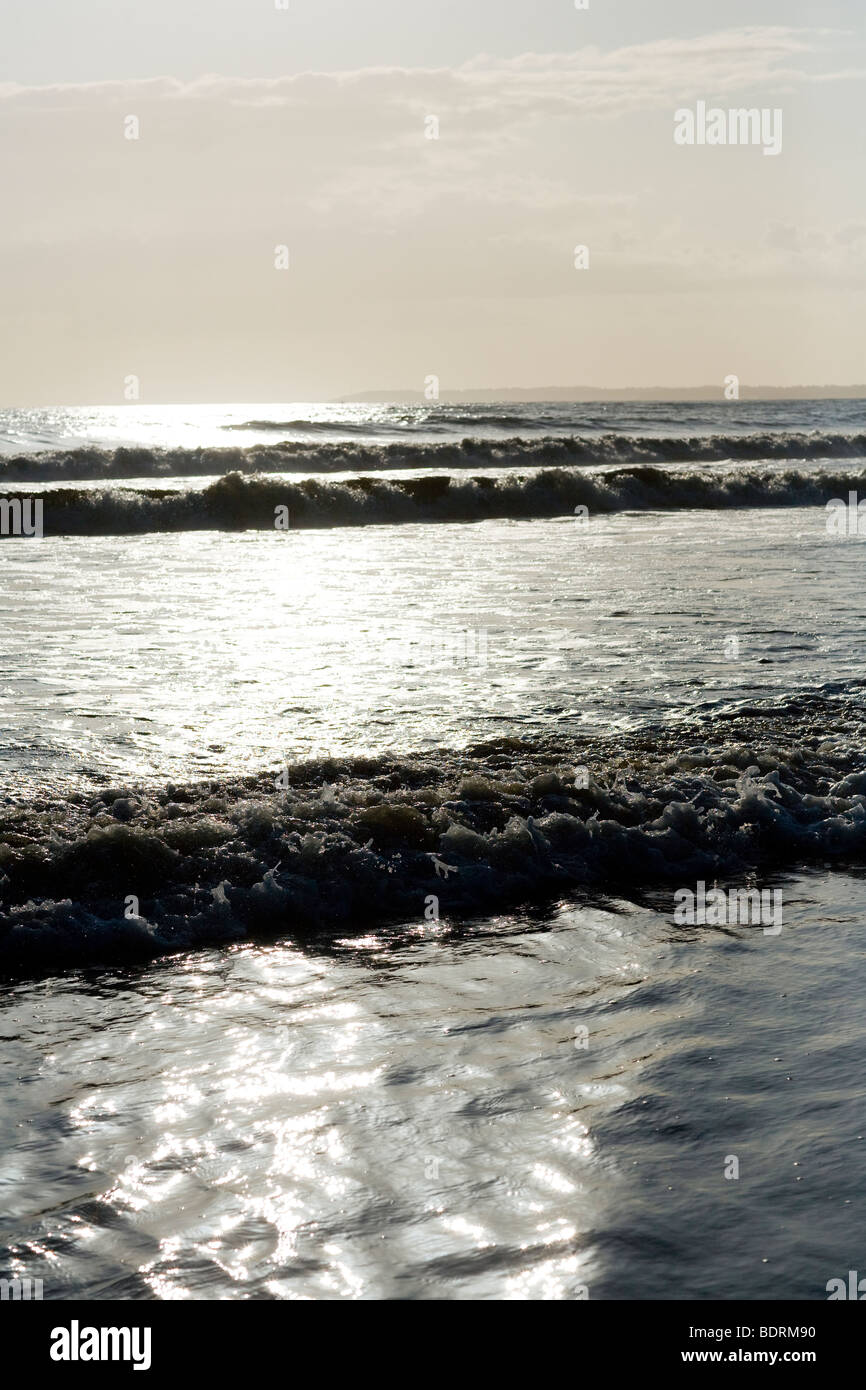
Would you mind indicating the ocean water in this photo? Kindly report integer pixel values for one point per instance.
(338, 861)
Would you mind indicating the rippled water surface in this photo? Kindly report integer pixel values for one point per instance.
(552, 1098)
(188, 655)
(34, 430)
(535, 1106)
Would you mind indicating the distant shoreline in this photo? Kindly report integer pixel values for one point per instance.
(584, 395)
(499, 395)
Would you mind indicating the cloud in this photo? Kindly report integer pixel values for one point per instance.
(360, 135)
(535, 154)
(588, 79)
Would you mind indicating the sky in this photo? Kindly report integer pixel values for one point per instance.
(158, 259)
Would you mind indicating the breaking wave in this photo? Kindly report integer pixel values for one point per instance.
(393, 424)
(80, 464)
(236, 502)
(128, 872)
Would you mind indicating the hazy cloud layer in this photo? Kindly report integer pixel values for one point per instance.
(453, 255)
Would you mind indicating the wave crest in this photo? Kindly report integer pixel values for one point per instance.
(363, 841)
(236, 502)
(88, 464)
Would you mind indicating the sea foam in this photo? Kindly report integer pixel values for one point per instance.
(237, 502)
(358, 842)
(542, 451)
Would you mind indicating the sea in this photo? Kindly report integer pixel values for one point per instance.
(364, 773)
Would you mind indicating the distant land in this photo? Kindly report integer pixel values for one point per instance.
(585, 394)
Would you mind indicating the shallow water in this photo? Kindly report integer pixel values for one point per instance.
(417, 1113)
(164, 657)
(535, 1096)
(220, 426)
